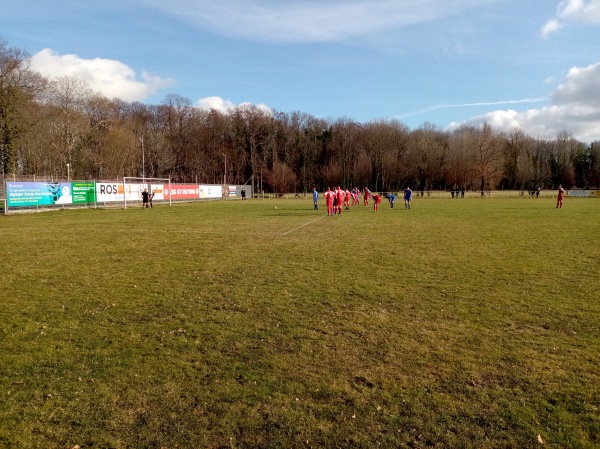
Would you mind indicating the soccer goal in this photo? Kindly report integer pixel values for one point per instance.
(133, 187)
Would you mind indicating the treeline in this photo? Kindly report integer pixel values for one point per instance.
(45, 125)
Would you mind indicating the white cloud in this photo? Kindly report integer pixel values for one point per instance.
(226, 106)
(578, 11)
(109, 77)
(575, 108)
(312, 20)
(587, 11)
(551, 27)
(216, 103)
(580, 86)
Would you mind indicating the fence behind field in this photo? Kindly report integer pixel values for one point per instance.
(38, 194)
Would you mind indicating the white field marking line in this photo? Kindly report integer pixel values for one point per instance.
(305, 224)
(190, 232)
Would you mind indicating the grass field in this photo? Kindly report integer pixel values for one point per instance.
(458, 324)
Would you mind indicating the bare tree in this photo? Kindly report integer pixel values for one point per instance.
(19, 87)
(67, 124)
(428, 149)
(281, 177)
(249, 133)
(487, 156)
(341, 148)
(562, 159)
(460, 170)
(386, 144)
(594, 173)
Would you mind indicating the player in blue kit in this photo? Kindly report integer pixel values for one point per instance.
(407, 197)
(392, 199)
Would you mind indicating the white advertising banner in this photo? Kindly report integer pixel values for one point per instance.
(211, 191)
(114, 191)
(158, 190)
(579, 193)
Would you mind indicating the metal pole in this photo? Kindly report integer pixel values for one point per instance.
(143, 159)
(68, 172)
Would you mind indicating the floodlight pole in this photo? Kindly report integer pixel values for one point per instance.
(68, 172)
(225, 170)
(143, 158)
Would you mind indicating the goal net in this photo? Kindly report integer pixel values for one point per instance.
(133, 188)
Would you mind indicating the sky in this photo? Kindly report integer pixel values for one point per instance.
(532, 65)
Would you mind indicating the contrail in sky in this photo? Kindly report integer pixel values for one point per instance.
(465, 105)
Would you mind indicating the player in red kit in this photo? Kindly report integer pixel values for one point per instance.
(328, 195)
(561, 194)
(339, 199)
(366, 196)
(355, 193)
(347, 196)
(376, 201)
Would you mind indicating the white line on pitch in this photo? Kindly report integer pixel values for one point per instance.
(305, 224)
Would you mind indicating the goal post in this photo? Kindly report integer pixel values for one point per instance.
(134, 186)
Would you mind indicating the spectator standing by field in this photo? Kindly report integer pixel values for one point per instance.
(561, 194)
(407, 197)
(150, 197)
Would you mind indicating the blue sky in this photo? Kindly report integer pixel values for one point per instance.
(533, 65)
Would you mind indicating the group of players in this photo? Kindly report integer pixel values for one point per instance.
(339, 199)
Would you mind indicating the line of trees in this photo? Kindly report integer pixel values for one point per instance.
(45, 125)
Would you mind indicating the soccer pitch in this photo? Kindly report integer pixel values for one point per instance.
(470, 323)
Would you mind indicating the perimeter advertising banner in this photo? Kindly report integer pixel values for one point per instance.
(579, 193)
(158, 190)
(115, 191)
(182, 192)
(83, 192)
(29, 194)
(208, 191)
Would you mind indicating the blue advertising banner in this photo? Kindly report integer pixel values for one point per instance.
(28, 194)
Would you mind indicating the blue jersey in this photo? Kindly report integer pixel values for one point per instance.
(315, 196)
(407, 194)
(392, 198)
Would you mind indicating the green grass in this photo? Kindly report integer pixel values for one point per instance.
(462, 323)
